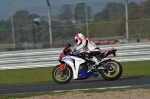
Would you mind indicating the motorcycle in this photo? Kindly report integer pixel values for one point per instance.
(76, 67)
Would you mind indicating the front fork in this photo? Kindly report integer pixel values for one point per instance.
(63, 66)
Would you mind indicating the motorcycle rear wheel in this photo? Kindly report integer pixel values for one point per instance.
(62, 76)
(112, 75)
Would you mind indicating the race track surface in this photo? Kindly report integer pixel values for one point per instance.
(74, 84)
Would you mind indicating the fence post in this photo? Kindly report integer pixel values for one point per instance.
(127, 26)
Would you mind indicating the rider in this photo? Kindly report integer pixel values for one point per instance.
(90, 47)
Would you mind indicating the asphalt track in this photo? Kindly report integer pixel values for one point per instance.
(74, 84)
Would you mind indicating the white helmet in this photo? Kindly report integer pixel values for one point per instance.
(78, 38)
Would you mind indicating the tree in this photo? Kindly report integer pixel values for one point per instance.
(80, 12)
(145, 8)
(112, 11)
(65, 30)
(23, 23)
(134, 12)
(66, 12)
(138, 13)
(101, 15)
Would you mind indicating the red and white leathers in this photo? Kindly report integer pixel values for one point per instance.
(87, 45)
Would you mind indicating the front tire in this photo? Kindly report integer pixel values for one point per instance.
(62, 76)
(117, 72)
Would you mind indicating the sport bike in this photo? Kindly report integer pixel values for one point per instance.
(76, 66)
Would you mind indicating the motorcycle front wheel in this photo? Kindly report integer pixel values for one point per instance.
(114, 73)
(62, 76)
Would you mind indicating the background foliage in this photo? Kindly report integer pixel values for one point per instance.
(110, 21)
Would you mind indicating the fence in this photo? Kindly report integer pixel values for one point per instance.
(96, 19)
(49, 57)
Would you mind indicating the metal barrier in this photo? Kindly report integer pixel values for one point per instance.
(49, 57)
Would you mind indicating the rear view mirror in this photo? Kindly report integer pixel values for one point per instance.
(68, 45)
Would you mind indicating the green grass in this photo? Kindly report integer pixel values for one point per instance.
(139, 68)
(21, 76)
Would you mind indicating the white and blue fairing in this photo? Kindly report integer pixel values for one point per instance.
(73, 64)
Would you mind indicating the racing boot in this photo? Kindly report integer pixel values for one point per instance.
(96, 61)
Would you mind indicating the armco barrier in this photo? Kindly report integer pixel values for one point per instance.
(49, 57)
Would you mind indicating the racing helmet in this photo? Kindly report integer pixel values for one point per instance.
(78, 38)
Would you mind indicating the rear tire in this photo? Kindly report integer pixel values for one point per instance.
(112, 75)
(62, 77)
